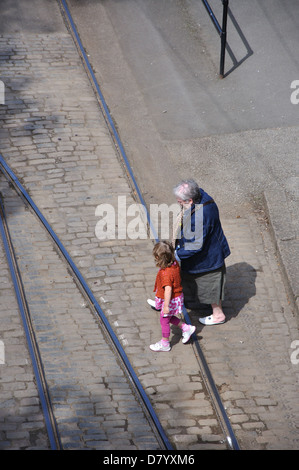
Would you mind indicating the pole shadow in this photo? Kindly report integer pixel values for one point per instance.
(229, 50)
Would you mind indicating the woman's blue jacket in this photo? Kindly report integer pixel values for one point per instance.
(203, 246)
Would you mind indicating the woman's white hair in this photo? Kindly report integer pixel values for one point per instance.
(186, 190)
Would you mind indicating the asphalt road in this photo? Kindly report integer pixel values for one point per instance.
(158, 64)
(232, 164)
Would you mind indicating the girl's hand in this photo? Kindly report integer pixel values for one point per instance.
(167, 297)
(165, 310)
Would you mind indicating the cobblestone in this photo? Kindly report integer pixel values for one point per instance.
(64, 156)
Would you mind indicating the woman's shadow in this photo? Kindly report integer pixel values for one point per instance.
(239, 288)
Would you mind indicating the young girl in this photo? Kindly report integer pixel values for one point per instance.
(169, 295)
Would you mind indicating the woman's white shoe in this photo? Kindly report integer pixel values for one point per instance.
(210, 321)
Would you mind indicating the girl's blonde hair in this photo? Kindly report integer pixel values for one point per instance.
(163, 253)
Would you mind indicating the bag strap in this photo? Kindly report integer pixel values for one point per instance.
(208, 202)
(204, 204)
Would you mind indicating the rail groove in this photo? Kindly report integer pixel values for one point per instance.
(9, 174)
(204, 368)
(37, 364)
(223, 419)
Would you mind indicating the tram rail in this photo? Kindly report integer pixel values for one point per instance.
(88, 294)
(32, 342)
(203, 364)
(230, 439)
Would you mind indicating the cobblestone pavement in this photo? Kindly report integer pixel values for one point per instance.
(63, 154)
(55, 138)
(92, 399)
(20, 411)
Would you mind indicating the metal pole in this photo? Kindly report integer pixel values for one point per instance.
(223, 36)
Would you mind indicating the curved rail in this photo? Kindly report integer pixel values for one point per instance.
(206, 373)
(109, 119)
(30, 336)
(9, 174)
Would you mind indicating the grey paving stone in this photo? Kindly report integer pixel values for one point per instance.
(65, 146)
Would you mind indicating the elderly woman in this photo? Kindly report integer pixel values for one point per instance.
(201, 247)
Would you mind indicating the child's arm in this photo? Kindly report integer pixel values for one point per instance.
(167, 297)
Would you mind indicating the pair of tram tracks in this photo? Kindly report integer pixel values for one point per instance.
(32, 341)
(43, 389)
(36, 357)
(206, 374)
